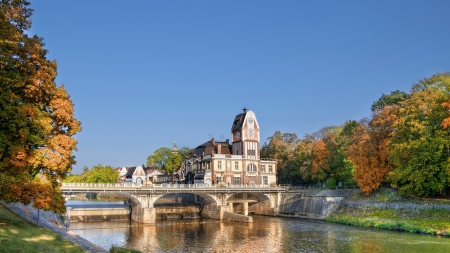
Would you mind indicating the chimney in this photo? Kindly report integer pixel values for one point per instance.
(227, 141)
(213, 141)
(219, 148)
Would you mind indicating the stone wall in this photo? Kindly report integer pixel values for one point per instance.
(227, 216)
(177, 212)
(210, 211)
(143, 215)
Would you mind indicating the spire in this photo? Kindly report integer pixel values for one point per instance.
(175, 149)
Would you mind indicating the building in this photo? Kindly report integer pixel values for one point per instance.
(135, 176)
(239, 163)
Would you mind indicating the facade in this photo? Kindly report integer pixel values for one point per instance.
(238, 163)
(135, 176)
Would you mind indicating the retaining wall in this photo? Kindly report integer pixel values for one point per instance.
(227, 216)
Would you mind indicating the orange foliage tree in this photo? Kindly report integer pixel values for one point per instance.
(37, 121)
(369, 150)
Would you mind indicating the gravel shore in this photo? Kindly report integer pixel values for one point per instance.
(49, 220)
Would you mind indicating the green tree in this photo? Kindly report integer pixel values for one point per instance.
(37, 121)
(420, 147)
(281, 147)
(98, 174)
(185, 152)
(173, 163)
(102, 174)
(392, 99)
(163, 158)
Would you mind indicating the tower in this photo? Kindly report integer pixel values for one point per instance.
(245, 135)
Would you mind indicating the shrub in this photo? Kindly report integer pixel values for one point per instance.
(331, 183)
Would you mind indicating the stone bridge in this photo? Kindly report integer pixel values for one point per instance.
(215, 202)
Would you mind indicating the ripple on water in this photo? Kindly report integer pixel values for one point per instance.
(265, 234)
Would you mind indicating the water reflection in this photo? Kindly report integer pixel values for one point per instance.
(266, 234)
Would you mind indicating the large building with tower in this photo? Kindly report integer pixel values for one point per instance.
(239, 163)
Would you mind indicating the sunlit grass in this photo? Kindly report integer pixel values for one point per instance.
(20, 235)
(428, 221)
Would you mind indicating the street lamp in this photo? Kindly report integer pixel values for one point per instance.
(189, 173)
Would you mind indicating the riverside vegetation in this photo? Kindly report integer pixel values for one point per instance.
(386, 209)
(20, 235)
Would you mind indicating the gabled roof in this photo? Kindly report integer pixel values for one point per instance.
(130, 171)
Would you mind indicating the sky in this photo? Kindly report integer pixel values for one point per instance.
(143, 74)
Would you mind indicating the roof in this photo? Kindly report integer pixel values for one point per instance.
(130, 171)
(238, 122)
(211, 147)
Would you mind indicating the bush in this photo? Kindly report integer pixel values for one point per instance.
(331, 183)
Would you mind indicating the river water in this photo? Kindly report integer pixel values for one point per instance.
(265, 234)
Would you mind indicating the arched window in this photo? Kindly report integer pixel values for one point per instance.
(251, 168)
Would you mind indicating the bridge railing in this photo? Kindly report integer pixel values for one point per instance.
(164, 185)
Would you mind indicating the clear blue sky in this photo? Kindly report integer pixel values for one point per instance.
(144, 73)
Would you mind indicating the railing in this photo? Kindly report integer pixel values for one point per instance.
(268, 159)
(317, 187)
(164, 185)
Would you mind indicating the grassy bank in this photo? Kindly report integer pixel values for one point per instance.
(20, 235)
(386, 209)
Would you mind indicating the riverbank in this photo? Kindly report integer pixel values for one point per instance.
(386, 209)
(22, 231)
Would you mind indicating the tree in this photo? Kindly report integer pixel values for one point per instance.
(98, 174)
(163, 158)
(173, 163)
(37, 121)
(281, 147)
(420, 147)
(159, 157)
(369, 150)
(102, 174)
(392, 99)
(185, 152)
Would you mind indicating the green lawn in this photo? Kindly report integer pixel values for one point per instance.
(429, 221)
(20, 235)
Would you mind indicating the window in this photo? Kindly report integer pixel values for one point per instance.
(270, 168)
(265, 180)
(219, 179)
(263, 168)
(251, 152)
(237, 181)
(219, 165)
(236, 165)
(251, 168)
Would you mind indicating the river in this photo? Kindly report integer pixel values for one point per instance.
(265, 234)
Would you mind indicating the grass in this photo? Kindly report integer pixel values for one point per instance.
(434, 221)
(20, 235)
(115, 249)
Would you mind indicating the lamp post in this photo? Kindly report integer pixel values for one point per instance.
(189, 173)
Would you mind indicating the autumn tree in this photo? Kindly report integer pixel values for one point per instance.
(37, 121)
(420, 147)
(303, 158)
(329, 159)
